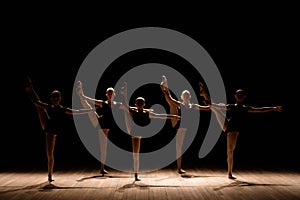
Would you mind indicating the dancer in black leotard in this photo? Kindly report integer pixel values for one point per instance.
(102, 119)
(181, 107)
(51, 119)
(232, 122)
(141, 117)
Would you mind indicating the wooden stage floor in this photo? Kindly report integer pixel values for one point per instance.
(198, 183)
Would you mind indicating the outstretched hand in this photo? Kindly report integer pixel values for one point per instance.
(278, 108)
(177, 117)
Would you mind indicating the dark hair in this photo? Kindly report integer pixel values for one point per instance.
(240, 91)
(55, 94)
(139, 99)
(110, 89)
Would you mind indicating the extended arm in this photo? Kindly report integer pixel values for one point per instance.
(200, 107)
(264, 109)
(93, 101)
(71, 111)
(164, 116)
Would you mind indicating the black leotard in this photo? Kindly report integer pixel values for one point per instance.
(56, 119)
(236, 116)
(106, 119)
(140, 118)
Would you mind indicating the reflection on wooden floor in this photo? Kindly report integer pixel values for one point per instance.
(162, 184)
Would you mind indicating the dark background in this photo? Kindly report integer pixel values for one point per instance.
(253, 50)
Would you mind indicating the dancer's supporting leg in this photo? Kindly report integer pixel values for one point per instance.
(220, 115)
(103, 134)
(231, 143)
(181, 132)
(136, 143)
(50, 144)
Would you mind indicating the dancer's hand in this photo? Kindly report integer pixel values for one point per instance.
(177, 117)
(278, 108)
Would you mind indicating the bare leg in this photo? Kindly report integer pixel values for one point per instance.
(128, 121)
(221, 117)
(103, 133)
(173, 109)
(216, 108)
(181, 132)
(203, 92)
(93, 116)
(231, 144)
(50, 144)
(136, 143)
(42, 113)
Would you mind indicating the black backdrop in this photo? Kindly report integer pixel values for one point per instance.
(251, 53)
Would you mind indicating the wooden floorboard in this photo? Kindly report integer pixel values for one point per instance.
(198, 183)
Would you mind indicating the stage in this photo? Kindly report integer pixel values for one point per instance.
(197, 183)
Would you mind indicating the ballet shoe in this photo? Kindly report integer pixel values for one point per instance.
(136, 177)
(181, 171)
(103, 171)
(231, 177)
(50, 179)
(164, 81)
